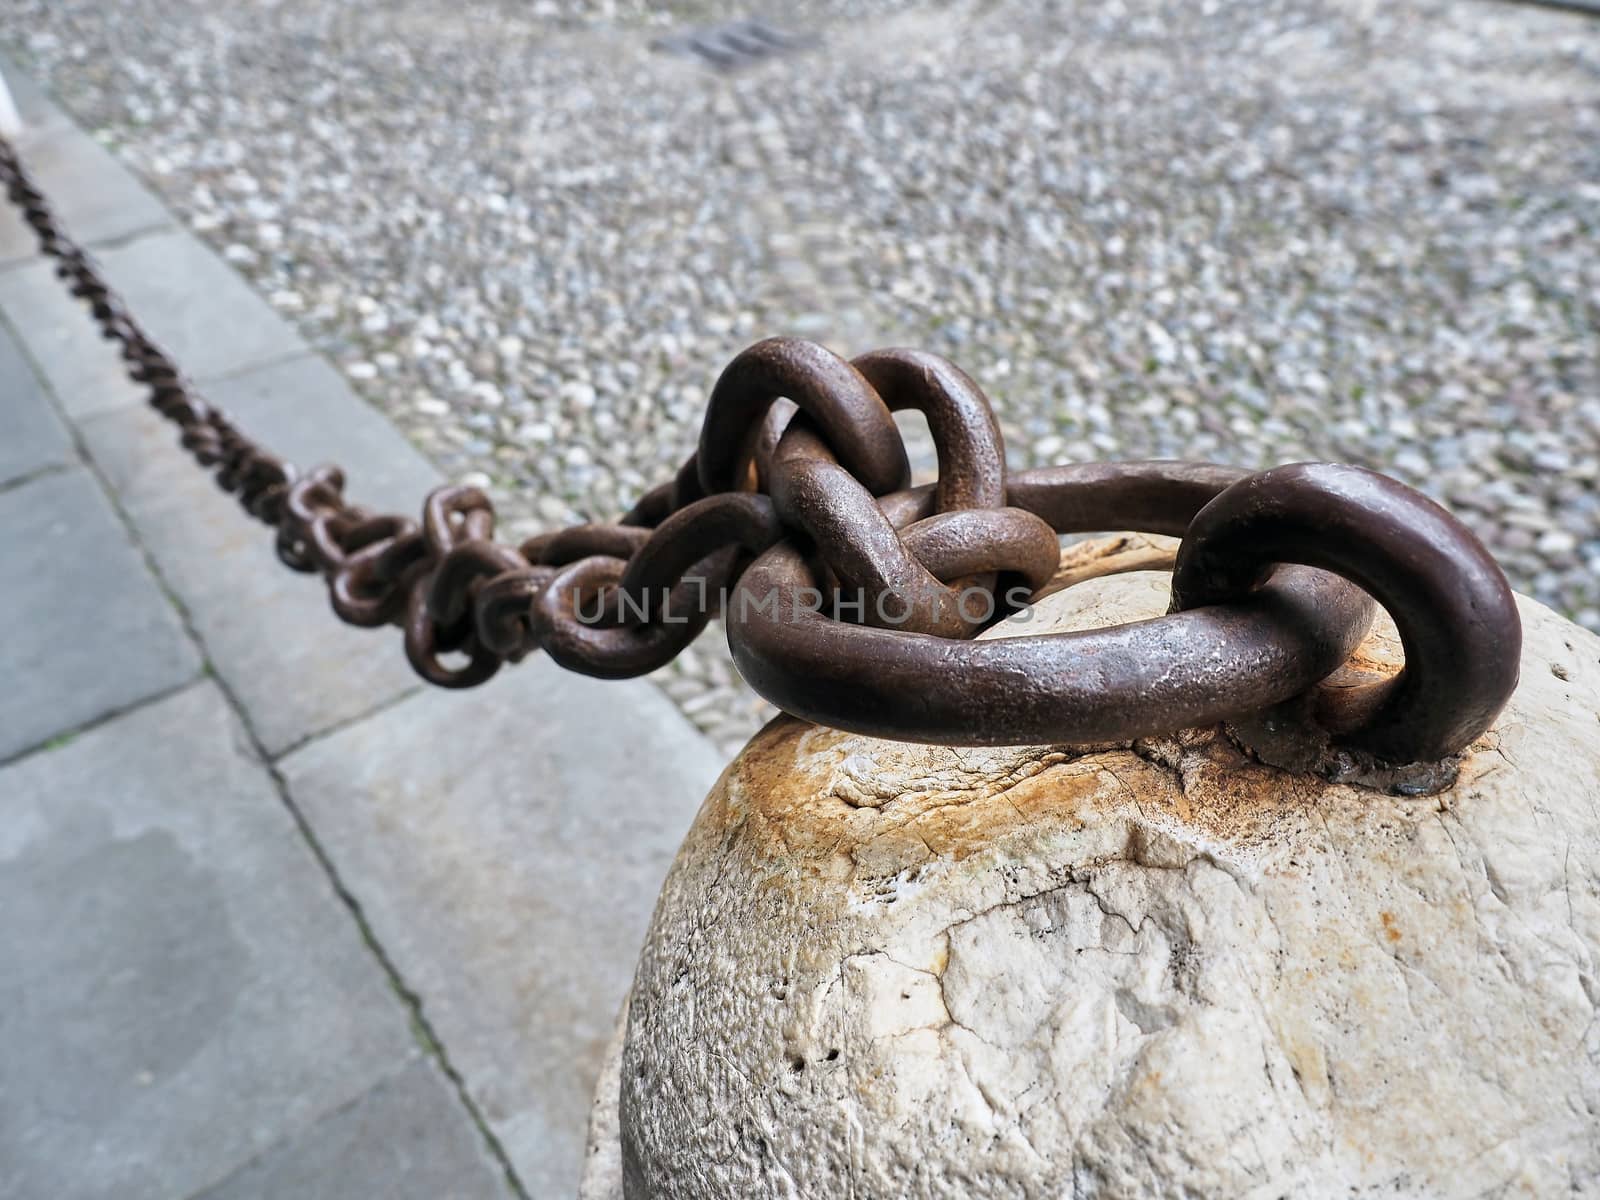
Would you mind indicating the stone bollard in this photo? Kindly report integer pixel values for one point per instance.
(882, 970)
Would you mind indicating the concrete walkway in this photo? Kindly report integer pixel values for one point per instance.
(276, 921)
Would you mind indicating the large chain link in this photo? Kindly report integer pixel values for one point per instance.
(851, 598)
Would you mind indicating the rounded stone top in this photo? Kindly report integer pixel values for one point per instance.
(885, 969)
(825, 797)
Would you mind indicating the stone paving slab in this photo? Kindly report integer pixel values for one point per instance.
(39, 113)
(187, 299)
(182, 988)
(507, 845)
(34, 437)
(84, 372)
(96, 198)
(269, 631)
(307, 414)
(406, 1139)
(84, 629)
(196, 306)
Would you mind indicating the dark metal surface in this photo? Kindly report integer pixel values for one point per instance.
(1128, 681)
(1456, 615)
(851, 598)
(735, 44)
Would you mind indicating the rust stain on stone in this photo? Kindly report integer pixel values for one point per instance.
(838, 808)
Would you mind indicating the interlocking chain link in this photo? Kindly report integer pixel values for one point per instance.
(851, 598)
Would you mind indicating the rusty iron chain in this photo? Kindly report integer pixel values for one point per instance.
(851, 598)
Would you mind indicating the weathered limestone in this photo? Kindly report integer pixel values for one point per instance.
(602, 1151)
(882, 970)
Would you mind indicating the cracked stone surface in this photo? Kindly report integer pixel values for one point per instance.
(881, 969)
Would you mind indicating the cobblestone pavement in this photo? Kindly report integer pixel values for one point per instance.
(1256, 232)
